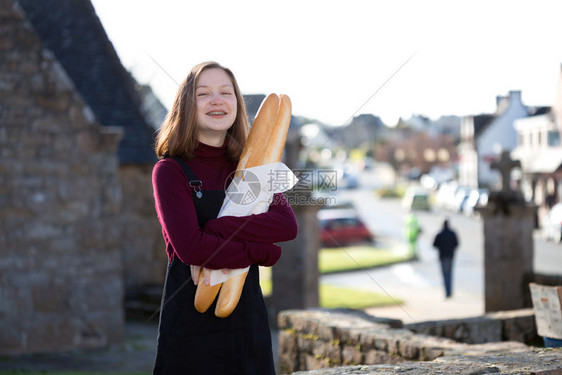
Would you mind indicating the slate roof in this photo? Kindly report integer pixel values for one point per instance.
(538, 111)
(253, 102)
(74, 33)
(481, 122)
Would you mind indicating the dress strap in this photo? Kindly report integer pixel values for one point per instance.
(194, 182)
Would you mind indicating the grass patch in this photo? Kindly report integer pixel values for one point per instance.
(352, 298)
(340, 297)
(346, 259)
(356, 257)
(394, 192)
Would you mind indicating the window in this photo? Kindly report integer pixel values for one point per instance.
(553, 138)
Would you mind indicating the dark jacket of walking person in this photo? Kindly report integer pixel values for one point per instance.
(446, 243)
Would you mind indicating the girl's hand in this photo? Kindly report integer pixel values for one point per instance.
(195, 274)
(206, 273)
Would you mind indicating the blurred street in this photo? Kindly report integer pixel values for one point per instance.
(419, 283)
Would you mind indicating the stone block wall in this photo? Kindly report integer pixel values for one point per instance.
(142, 245)
(313, 339)
(320, 339)
(60, 198)
(515, 325)
(489, 360)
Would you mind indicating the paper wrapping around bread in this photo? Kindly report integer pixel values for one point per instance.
(260, 158)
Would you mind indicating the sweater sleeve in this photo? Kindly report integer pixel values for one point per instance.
(278, 224)
(184, 237)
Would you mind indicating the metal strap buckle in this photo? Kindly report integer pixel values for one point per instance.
(196, 186)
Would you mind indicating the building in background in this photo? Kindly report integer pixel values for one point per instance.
(484, 137)
(539, 149)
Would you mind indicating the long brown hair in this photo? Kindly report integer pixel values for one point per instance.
(177, 136)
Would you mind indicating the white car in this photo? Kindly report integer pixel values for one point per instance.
(416, 199)
(552, 226)
(477, 198)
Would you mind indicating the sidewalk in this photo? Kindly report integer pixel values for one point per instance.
(418, 285)
(135, 355)
(428, 305)
(426, 301)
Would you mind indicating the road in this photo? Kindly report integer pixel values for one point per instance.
(419, 283)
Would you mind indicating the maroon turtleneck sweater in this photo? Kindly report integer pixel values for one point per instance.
(225, 242)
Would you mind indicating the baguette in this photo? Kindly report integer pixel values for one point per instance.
(256, 145)
(259, 133)
(205, 294)
(278, 136)
(261, 128)
(264, 145)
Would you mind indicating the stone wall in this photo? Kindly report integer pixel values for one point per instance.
(60, 265)
(142, 245)
(321, 339)
(515, 325)
(488, 360)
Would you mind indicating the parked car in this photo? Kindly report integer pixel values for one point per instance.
(452, 197)
(340, 227)
(349, 177)
(461, 196)
(552, 225)
(350, 180)
(416, 199)
(445, 196)
(476, 198)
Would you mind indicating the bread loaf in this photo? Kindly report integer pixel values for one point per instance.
(256, 145)
(205, 294)
(264, 145)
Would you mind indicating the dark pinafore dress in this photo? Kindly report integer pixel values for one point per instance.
(191, 343)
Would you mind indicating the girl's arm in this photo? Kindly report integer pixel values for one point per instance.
(278, 224)
(183, 236)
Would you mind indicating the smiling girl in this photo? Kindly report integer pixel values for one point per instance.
(199, 144)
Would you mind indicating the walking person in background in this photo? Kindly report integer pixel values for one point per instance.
(446, 243)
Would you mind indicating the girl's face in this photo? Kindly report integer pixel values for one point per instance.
(216, 106)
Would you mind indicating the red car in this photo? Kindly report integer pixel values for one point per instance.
(340, 227)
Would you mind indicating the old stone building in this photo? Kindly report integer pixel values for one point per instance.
(61, 283)
(73, 32)
(79, 231)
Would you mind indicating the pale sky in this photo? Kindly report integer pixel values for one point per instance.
(337, 59)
